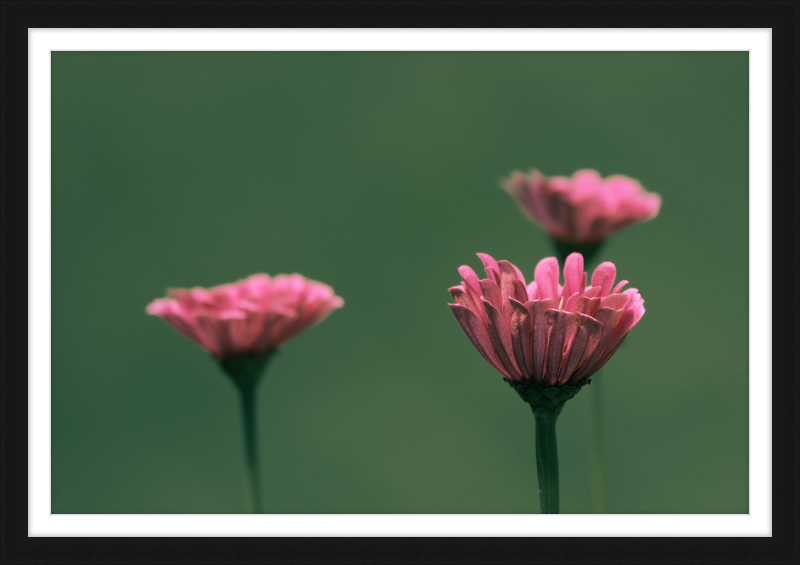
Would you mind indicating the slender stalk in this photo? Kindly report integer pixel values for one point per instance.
(547, 458)
(247, 394)
(598, 451)
(246, 371)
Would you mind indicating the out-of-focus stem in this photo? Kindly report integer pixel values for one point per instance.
(246, 371)
(589, 251)
(598, 447)
(247, 395)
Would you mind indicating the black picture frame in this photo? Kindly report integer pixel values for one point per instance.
(782, 17)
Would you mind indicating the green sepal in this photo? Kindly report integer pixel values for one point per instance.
(549, 399)
(246, 370)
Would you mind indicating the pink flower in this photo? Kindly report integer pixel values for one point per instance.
(249, 317)
(585, 209)
(543, 333)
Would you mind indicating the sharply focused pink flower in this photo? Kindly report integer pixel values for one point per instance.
(585, 209)
(250, 317)
(543, 333)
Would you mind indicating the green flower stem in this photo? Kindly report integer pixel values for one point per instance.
(547, 404)
(598, 451)
(547, 458)
(245, 372)
(247, 394)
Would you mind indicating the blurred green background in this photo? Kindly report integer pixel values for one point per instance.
(377, 173)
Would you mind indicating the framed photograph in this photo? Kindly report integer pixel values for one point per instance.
(314, 282)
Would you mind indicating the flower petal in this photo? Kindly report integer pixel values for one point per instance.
(603, 277)
(500, 333)
(587, 306)
(542, 326)
(564, 326)
(472, 286)
(573, 274)
(541, 333)
(520, 292)
(619, 287)
(630, 317)
(491, 292)
(492, 270)
(546, 275)
(521, 337)
(569, 303)
(533, 291)
(462, 298)
(608, 318)
(608, 354)
(592, 292)
(614, 301)
(478, 335)
(520, 276)
(508, 276)
(471, 280)
(589, 331)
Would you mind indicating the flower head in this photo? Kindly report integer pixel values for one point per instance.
(584, 209)
(247, 318)
(543, 333)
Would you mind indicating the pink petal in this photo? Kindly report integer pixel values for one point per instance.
(542, 326)
(630, 317)
(608, 354)
(463, 299)
(614, 301)
(533, 291)
(492, 270)
(520, 292)
(266, 330)
(608, 318)
(508, 276)
(491, 292)
(189, 327)
(211, 334)
(604, 277)
(592, 292)
(618, 288)
(546, 275)
(632, 295)
(500, 332)
(234, 334)
(478, 335)
(521, 337)
(470, 279)
(569, 303)
(588, 332)
(520, 276)
(587, 306)
(472, 286)
(564, 326)
(573, 274)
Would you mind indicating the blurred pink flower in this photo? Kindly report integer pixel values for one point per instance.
(250, 317)
(585, 209)
(543, 333)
